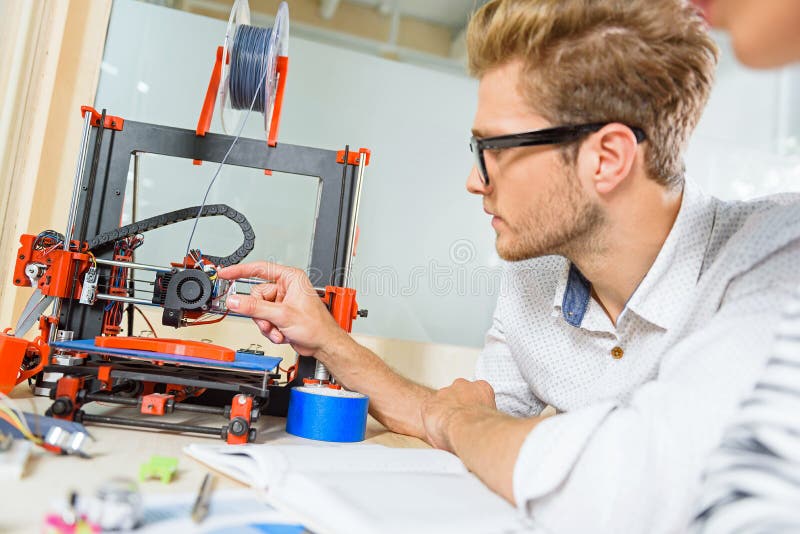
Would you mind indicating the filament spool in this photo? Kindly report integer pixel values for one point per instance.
(252, 67)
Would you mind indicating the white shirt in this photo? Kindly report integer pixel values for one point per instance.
(752, 482)
(627, 454)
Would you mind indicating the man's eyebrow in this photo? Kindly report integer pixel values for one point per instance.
(478, 133)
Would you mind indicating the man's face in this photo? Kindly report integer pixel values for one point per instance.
(537, 201)
(766, 33)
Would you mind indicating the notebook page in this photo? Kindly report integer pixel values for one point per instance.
(366, 458)
(241, 467)
(263, 465)
(397, 503)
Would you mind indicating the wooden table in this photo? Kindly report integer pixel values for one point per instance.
(120, 452)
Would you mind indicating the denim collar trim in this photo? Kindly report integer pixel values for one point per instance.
(576, 297)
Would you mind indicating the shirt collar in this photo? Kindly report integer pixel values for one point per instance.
(668, 285)
(664, 293)
(575, 297)
(573, 302)
(561, 288)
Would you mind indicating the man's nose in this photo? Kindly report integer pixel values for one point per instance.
(475, 183)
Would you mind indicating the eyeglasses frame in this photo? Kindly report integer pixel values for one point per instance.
(547, 136)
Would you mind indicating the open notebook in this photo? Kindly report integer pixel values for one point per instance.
(364, 488)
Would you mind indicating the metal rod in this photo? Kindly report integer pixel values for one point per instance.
(130, 319)
(98, 144)
(119, 298)
(321, 372)
(134, 200)
(198, 408)
(127, 288)
(174, 427)
(73, 205)
(335, 275)
(113, 399)
(133, 265)
(351, 241)
(87, 204)
(130, 291)
(178, 406)
(76, 187)
(256, 281)
(57, 315)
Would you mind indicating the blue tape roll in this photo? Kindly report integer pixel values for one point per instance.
(327, 414)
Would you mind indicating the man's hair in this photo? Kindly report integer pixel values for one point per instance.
(645, 63)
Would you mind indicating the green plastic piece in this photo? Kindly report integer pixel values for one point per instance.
(162, 467)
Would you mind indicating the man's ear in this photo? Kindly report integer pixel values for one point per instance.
(610, 154)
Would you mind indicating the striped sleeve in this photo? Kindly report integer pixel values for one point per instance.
(752, 481)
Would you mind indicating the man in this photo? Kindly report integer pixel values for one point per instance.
(628, 291)
(752, 481)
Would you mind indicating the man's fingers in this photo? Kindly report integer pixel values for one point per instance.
(263, 326)
(255, 308)
(270, 331)
(276, 336)
(485, 386)
(258, 269)
(264, 291)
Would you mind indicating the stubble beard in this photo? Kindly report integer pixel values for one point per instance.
(567, 223)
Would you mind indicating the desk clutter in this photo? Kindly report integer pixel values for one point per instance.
(159, 481)
(119, 507)
(294, 485)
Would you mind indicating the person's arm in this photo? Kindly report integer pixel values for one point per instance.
(633, 465)
(602, 456)
(750, 479)
(288, 310)
(393, 399)
(463, 419)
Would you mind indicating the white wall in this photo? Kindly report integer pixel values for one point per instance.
(748, 141)
(415, 212)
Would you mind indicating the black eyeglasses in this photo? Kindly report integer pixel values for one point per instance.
(548, 136)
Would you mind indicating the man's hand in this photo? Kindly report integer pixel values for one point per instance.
(463, 419)
(441, 411)
(286, 309)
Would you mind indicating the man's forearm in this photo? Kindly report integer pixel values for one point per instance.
(488, 442)
(393, 400)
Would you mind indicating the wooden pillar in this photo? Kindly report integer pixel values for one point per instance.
(53, 50)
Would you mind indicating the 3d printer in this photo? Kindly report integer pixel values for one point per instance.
(87, 276)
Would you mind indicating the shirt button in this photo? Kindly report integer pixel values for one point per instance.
(617, 353)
